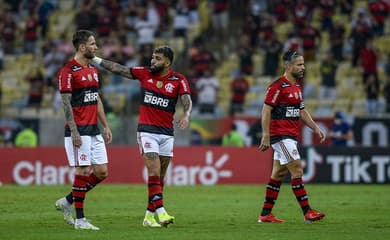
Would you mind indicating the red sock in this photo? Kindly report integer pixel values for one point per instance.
(154, 193)
(271, 195)
(300, 193)
(79, 189)
(92, 181)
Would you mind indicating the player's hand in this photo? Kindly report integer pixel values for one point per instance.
(183, 122)
(108, 135)
(265, 143)
(76, 140)
(321, 135)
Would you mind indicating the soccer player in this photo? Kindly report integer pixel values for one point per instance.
(161, 87)
(282, 110)
(84, 144)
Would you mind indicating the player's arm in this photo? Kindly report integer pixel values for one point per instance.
(187, 108)
(308, 120)
(104, 122)
(265, 123)
(67, 106)
(113, 67)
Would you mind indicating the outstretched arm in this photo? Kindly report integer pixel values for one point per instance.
(187, 105)
(113, 67)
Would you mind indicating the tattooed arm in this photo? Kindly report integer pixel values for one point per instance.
(76, 139)
(187, 108)
(113, 67)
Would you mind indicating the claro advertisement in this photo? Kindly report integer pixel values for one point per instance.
(201, 165)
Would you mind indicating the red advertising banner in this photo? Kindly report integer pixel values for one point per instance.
(190, 166)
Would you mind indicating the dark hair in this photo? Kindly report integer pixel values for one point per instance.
(81, 37)
(166, 51)
(290, 55)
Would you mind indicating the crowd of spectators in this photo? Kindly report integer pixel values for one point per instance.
(128, 30)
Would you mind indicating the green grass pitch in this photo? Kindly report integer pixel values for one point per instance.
(214, 212)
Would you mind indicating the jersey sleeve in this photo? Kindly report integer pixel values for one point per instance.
(138, 72)
(65, 80)
(272, 96)
(184, 86)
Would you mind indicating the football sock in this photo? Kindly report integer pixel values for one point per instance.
(271, 194)
(92, 181)
(300, 193)
(154, 193)
(79, 189)
(69, 198)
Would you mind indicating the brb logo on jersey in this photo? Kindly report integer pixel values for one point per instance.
(91, 97)
(154, 100)
(292, 112)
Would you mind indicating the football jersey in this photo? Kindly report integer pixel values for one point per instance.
(159, 97)
(83, 83)
(286, 99)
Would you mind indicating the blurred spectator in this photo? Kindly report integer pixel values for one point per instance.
(301, 13)
(239, 87)
(86, 18)
(146, 30)
(192, 6)
(346, 7)
(103, 22)
(328, 69)
(281, 9)
(31, 33)
(233, 138)
(52, 59)
(272, 48)
(361, 31)
(201, 59)
(45, 9)
(336, 39)
(245, 52)
(311, 38)
(255, 132)
(379, 10)
(37, 86)
(1, 57)
(207, 87)
(266, 27)
(328, 8)
(8, 33)
(341, 130)
(26, 138)
(369, 60)
(372, 95)
(220, 18)
(181, 20)
(386, 89)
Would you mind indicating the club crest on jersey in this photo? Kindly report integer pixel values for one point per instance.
(89, 77)
(159, 84)
(169, 87)
(296, 95)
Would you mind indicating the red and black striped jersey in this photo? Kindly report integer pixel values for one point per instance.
(159, 98)
(83, 83)
(286, 99)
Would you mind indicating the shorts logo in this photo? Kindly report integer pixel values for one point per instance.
(147, 145)
(83, 157)
(295, 152)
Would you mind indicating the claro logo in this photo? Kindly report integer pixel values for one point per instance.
(27, 173)
(207, 174)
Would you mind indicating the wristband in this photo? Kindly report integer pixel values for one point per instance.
(97, 60)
